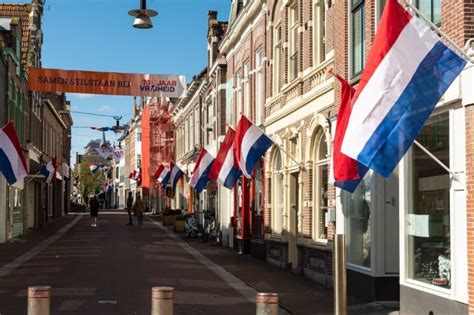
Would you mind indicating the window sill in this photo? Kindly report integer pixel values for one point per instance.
(428, 288)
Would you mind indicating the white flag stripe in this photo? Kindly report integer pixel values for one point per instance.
(226, 167)
(251, 136)
(12, 155)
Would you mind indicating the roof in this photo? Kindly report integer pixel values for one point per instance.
(22, 11)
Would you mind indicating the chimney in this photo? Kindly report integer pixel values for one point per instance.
(212, 17)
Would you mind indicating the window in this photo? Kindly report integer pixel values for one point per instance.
(197, 129)
(228, 102)
(356, 206)
(239, 92)
(260, 87)
(246, 92)
(192, 142)
(319, 32)
(277, 52)
(277, 195)
(431, 9)
(139, 136)
(428, 220)
(293, 42)
(139, 160)
(321, 187)
(186, 132)
(357, 37)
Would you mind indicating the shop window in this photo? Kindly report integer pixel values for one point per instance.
(257, 220)
(357, 209)
(277, 193)
(357, 37)
(321, 187)
(428, 220)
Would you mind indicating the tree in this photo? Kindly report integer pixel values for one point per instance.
(89, 183)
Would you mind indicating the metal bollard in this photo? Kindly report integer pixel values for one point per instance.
(162, 300)
(267, 303)
(39, 300)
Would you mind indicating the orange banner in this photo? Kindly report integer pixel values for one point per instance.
(112, 83)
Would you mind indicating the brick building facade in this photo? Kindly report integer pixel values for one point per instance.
(277, 54)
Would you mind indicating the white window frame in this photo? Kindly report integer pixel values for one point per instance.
(319, 29)
(276, 193)
(458, 225)
(246, 91)
(277, 57)
(259, 85)
(320, 136)
(293, 41)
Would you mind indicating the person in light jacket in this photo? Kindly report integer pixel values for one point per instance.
(138, 209)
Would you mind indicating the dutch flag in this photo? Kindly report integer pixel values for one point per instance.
(201, 170)
(225, 169)
(163, 175)
(12, 159)
(175, 174)
(345, 173)
(49, 171)
(250, 144)
(407, 72)
(93, 168)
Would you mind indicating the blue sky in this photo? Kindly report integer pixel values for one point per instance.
(97, 35)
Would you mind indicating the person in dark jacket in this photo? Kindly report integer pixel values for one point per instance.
(129, 208)
(94, 206)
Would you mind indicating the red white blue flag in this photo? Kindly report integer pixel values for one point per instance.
(345, 173)
(250, 144)
(12, 159)
(163, 175)
(201, 170)
(408, 69)
(225, 170)
(49, 171)
(175, 174)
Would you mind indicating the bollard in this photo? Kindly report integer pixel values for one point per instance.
(39, 299)
(267, 303)
(162, 300)
(339, 275)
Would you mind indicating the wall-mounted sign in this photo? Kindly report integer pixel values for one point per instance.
(112, 83)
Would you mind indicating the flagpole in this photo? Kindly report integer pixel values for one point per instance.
(431, 155)
(438, 31)
(31, 177)
(279, 146)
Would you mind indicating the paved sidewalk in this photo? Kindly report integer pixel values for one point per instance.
(120, 263)
(297, 295)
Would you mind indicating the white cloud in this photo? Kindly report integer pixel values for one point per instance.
(81, 95)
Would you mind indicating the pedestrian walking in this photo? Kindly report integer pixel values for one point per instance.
(138, 209)
(129, 208)
(94, 206)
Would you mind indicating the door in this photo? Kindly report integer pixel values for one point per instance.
(391, 224)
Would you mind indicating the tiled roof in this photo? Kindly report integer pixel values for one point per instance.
(22, 11)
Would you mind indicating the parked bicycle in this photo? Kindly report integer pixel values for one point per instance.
(210, 230)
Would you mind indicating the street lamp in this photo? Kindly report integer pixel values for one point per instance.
(142, 16)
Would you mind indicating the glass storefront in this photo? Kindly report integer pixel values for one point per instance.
(357, 209)
(428, 219)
